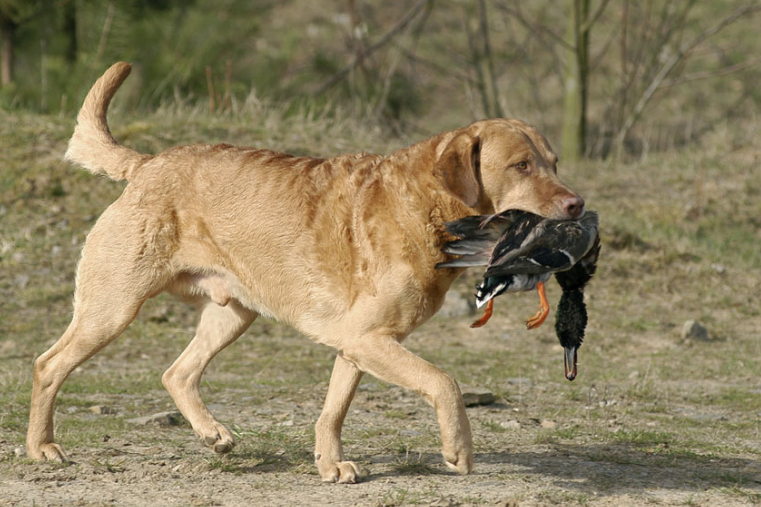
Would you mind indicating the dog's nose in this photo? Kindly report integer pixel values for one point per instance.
(573, 206)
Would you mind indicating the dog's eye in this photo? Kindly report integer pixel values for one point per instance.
(522, 165)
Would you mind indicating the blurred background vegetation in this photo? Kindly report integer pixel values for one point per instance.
(599, 77)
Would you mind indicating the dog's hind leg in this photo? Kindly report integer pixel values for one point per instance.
(328, 452)
(113, 281)
(219, 326)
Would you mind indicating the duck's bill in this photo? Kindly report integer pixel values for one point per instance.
(570, 363)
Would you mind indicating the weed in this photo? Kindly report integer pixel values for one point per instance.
(413, 465)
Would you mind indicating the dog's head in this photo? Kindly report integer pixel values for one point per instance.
(494, 165)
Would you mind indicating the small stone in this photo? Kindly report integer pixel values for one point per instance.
(694, 330)
(548, 425)
(456, 305)
(287, 423)
(510, 425)
(22, 281)
(102, 410)
(162, 419)
(19, 452)
(476, 395)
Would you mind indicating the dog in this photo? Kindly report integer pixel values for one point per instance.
(343, 249)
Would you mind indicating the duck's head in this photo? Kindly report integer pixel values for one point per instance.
(570, 325)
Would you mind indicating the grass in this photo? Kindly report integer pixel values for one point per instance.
(680, 237)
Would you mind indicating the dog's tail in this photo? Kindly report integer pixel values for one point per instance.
(92, 146)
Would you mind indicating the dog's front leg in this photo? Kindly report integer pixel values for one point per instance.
(328, 452)
(385, 358)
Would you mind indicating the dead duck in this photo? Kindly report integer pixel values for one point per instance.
(521, 251)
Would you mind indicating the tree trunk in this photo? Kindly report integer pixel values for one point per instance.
(576, 81)
(70, 30)
(7, 34)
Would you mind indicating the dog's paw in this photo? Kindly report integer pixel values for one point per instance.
(220, 439)
(460, 461)
(48, 452)
(342, 472)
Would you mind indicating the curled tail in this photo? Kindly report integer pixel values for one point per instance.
(92, 146)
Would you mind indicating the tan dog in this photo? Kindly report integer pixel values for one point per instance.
(343, 249)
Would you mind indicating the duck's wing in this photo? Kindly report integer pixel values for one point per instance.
(546, 247)
(478, 235)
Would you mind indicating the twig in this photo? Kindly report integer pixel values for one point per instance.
(706, 74)
(338, 76)
(443, 69)
(397, 59)
(591, 20)
(105, 32)
(210, 87)
(228, 79)
(475, 60)
(535, 27)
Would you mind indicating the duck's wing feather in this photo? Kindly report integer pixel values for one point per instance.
(533, 262)
(478, 235)
(512, 242)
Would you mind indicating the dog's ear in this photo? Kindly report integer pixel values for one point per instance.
(458, 168)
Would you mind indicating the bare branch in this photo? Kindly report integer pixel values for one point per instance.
(707, 74)
(408, 17)
(673, 60)
(595, 60)
(536, 27)
(443, 69)
(595, 16)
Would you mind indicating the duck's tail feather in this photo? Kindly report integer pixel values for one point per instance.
(478, 234)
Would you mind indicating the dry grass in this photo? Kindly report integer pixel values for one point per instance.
(651, 418)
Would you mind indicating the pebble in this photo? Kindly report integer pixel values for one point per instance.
(20, 452)
(548, 425)
(173, 418)
(694, 330)
(476, 395)
(510, 425)
(22, 281)
(102, 410)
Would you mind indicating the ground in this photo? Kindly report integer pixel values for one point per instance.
(653, 418)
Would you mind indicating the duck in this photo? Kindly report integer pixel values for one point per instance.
(521, 251)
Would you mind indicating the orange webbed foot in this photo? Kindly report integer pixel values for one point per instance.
(486, 316)
(544, 309)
